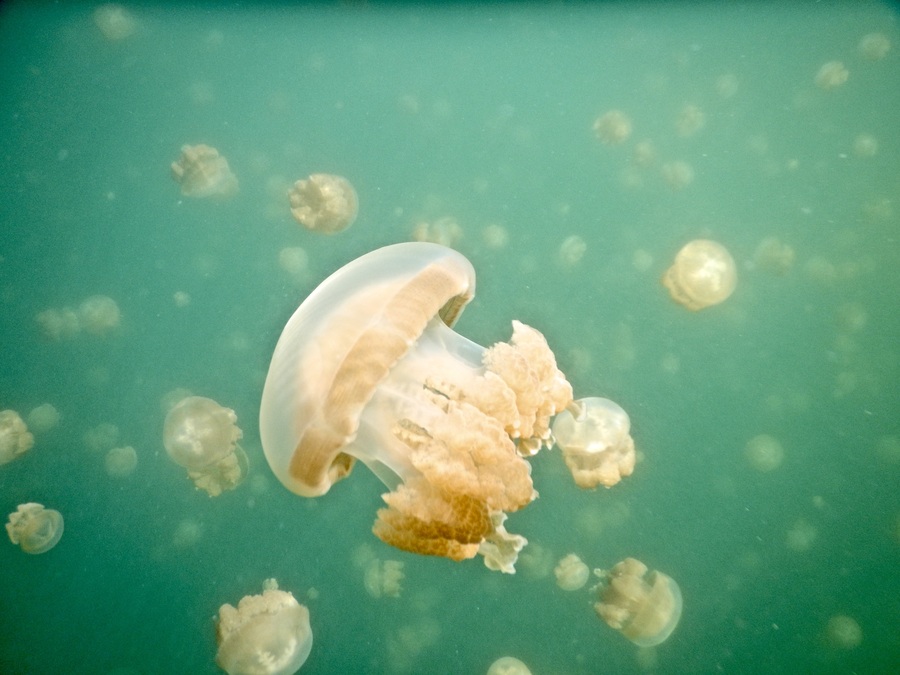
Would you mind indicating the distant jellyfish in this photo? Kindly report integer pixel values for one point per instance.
(101, 437)
(58, 324)
(15, 439)
(201, 435)
(99, 315)
(801, 536)
(114, 21)
(677, 174)
(43, 418)
(874, 46)
(294, 261)
(267, 634)
(831, 75)
(34, 528)
(593, 434)
(613, 127)
(571, 573)
(324, 203)
(865, 145)
(181, 299)
(727, 85)
(495, 236)
(764, 453)
(703, 274)
(445, 231)
(187, 533)
(508, 665)
(536, 561)
(843, 632)
(121, 462)
(644, 154)
(644, 606)
(202, 172)
(571, 251)
(775, 256)
(690, 120)
(383, 578)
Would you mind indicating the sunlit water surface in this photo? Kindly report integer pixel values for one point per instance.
(483, 116)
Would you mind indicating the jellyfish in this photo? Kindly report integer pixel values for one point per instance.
(831, 75)
(58, 324)
(593, 434)
(571, 573)
(703, 275)
(678, 174)
(571, 251)
(773, 255)
(690, 120)
(267, 634)
(445, 231)
(843, 632)
(369, 368)
(99, 315)
(43, 418)
(114, 21)
(121, 462)
(203, 172)
(508, 665)
(644, 606)
(15, 439)
(874, 46)
(324, 203)
(201, 435)
(34, 528)
(764, 453)
(865, 145)
(383, 578)
(613, 127)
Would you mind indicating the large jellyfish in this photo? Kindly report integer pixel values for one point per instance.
(201, 435)
(644, 606)
(593, 434)
(324, 203)
(34, 528)
(703, 274)
(267, 634)
(203, 172)
(15, 439)
(368, 368)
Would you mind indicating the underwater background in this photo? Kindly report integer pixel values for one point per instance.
(479, 118)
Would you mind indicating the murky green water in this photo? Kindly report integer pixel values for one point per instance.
(483, 116)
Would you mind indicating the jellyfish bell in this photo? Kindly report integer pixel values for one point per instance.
(15, 439)
(593, 434)
(324, 203)
(764, 453)
(369, 368)
(644, 606)
(99, 315)
(201, 436)
(571, 573)
(202, 172)
(508, 665)
(34, 528)
(613, 127)
(843, 632)
(703, 274)
(266, 634)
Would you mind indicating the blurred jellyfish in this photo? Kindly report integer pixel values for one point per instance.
(99, 315)
(202, 172)
(294, 261)
(495, 236)
(644, 606)
(571, 251)
(773, 255)
(101, 437)
(726, 85)
(58, 324)
(613, 127)
(593, 434)
(508, 665)
(843, 632)
(536, 561)
(764, 453)
(324, 203)
(43, 418)
(383, 578)
(874, 46)
(831, 75)
(15, 439)
(181, 299)
(445, 231)
(865, 145)
(703, 274)
(405, 645)
(801, 536)
(887, 449)
(201, 435)
(34, 528)
(187, 533)
(267, 634)
(690, 120)
(678, 174)
(114, 21)
(121, 462)
(571, 573)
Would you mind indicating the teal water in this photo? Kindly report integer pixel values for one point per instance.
(483, 115)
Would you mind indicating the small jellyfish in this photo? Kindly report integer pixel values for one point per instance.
(831, 75)
(843, 632)
(201, 435)
(571, 573)
(764, 453)
(58, 324)
(508, 665)
(267, 634)
(99, 315)
(34, 528)
(495, 237)
(101, 437)
(613, 127)
(644, 606)
(865, 145)
(121, 462)
(727, 85)
(43, 418)
(114, 21)
(690, 120)
(15, 439)
(445, 231)
(703, 274)
(571, 251)
(678, 174)
(593, 434)
(383, 578)
(775, 256)
(874, 46)
(324, 203)
(203, 172)
(294, 260)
